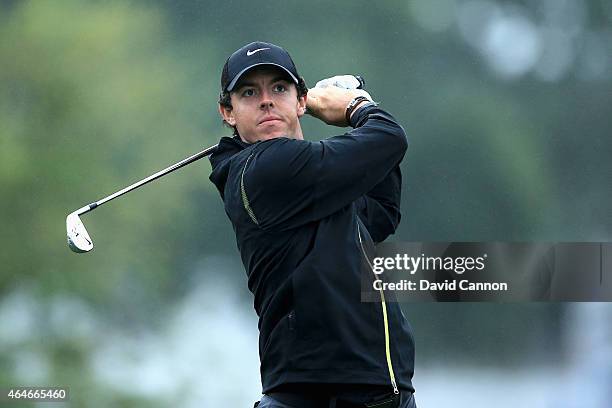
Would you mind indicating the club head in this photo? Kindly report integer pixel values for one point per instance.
(78, 238)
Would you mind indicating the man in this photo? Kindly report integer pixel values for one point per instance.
(304, 214)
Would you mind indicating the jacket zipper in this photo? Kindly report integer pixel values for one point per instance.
(385, 319)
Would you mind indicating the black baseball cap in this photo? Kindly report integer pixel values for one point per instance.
(252, 55)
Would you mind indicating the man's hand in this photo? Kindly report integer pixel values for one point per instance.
(342, 81)
(329, 104)
(329, 99)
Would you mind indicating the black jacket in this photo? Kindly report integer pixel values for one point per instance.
(304, 213)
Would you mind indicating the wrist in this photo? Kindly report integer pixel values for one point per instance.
(359, 106)
(358, 115)
(353, 105)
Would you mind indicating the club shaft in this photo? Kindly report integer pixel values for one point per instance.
(152, 177)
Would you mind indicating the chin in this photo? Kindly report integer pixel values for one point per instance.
(274, 135)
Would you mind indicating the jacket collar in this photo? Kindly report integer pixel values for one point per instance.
(221, 159)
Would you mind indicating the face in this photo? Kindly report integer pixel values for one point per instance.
(265, 106)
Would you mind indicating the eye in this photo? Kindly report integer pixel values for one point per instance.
(248, 92)
(280, 88)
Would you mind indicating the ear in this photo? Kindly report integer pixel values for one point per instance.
(227, 114)
(302, 105)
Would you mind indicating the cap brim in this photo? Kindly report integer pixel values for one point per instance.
(232, 84)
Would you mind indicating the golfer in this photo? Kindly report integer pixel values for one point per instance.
(305, 214)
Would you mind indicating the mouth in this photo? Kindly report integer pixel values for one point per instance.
(269, 119)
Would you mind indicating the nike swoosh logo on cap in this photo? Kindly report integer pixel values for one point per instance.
(249, 52)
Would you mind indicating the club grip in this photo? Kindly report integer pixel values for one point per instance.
(361, 80)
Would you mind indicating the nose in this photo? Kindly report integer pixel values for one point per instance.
(266, 100)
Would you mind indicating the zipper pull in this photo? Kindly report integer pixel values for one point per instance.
(395, 390)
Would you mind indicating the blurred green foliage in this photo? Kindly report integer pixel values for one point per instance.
(89, 103)
(96, 95)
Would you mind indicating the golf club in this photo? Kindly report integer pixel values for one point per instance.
(79, 240)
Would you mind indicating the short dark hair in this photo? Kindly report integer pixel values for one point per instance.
(225, 99)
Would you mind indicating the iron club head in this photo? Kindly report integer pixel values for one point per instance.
(78, 238)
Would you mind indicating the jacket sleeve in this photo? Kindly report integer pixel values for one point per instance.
(379, 209)
(286, 183)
